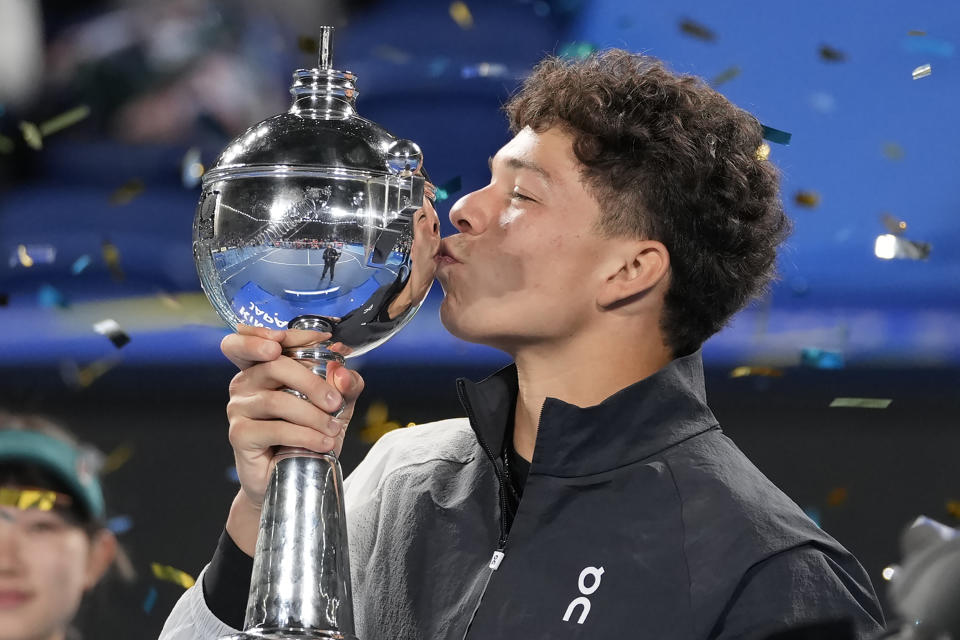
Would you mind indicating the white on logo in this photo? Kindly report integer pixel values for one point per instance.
(583, 601)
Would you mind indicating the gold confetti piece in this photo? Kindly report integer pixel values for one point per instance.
(170, 574)
(78, 377)
(111, 255)
(726, 75)
(392, 54)
(126, 192)
(922, 71)
(809, 199)
(377, 423)
(862, 403)
(6, 145)
(460, 13)
(763, 151)
(31, 135)
(893, 225)
(953, 508)
(829, 54)
(893, 151)
(766, 372)
(837, 496)
(697, 30)
(916, 32)
(24, 256)
(308, 44)
(64, 120)
(31, 498)
(117, 458)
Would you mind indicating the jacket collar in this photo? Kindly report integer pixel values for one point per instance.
(634, 423)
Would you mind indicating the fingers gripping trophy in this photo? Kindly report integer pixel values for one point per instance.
(313, 219)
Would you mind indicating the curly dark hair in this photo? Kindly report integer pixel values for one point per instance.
(668, 159)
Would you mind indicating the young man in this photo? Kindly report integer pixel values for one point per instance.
(625, 222)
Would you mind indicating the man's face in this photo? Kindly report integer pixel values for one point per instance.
(44, 571)
(525, 265)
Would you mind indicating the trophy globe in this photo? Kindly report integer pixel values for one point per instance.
(306, 222)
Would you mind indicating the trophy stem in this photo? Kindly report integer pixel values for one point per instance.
(301, 587)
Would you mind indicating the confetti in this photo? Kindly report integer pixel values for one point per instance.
(191, 169)
(308, 44)
(916, 32)
(697, 30)
(862, 403)
(392, 54)
(922, 71)
(763, 151)
(576, 50)
(111, 255)
(837, 496)
(150, 600)
(31, 135)
(953, 508)
(24, 498)
(889, 247)
(377, 423)
(49, 296)
(726, 75)
(776, 136)
(111, 329)
(437, 66)
(448, 188)
(117, 458)
(27, 255)
(765, 372)
(64, 120)
(120, 524)
(823, 102)
(894, 226)
(893, 151)
(78, 377)
(80, 264)
(232, 475)
(821, 358)
(460, 13)
(829, 54)
(814, 514)
(808, 199)
(6, 144)
(484, 70)
(125, 193)
(889, 573)
(171, 574)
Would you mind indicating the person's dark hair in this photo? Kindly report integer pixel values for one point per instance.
(668, 159)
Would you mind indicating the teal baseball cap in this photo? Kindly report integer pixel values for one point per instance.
(64, 461)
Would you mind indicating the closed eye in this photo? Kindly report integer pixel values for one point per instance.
(516, 195)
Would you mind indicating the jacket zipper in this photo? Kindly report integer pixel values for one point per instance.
(499, 553)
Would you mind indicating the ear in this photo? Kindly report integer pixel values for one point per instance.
(103, 549)
(640, 266)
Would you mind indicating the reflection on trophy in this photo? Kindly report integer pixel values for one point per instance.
(306, 222)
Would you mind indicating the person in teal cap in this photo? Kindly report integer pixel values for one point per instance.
(54, 544)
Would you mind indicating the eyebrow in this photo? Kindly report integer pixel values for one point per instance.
(520, 163)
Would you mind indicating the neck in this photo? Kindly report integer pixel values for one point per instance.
(583, 373)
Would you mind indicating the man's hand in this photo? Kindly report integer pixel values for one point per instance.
(263, 416)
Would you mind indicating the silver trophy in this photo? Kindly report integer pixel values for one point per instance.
(306, 222)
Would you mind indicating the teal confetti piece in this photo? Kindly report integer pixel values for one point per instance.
(821, 358)
(576, 50)
(80, 264)
(814, 514)
(150, 600)
(776, 136)
(928, 46)
(448, 188)
(48, 296)
(120, 524)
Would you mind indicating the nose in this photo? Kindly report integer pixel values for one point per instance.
(469, 214)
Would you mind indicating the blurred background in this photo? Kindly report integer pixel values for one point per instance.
(110, 110)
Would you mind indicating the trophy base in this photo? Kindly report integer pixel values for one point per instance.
(289, 634)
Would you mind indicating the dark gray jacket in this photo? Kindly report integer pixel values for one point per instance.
(639, 518)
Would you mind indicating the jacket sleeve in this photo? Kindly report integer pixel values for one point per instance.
(191, 619)
(797, 587)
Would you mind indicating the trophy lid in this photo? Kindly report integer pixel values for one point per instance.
(321, 130)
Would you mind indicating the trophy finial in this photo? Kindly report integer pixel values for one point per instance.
(326, 48)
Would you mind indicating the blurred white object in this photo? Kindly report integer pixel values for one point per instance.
(21, 50)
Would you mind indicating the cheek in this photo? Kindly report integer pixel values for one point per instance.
(59, 572)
